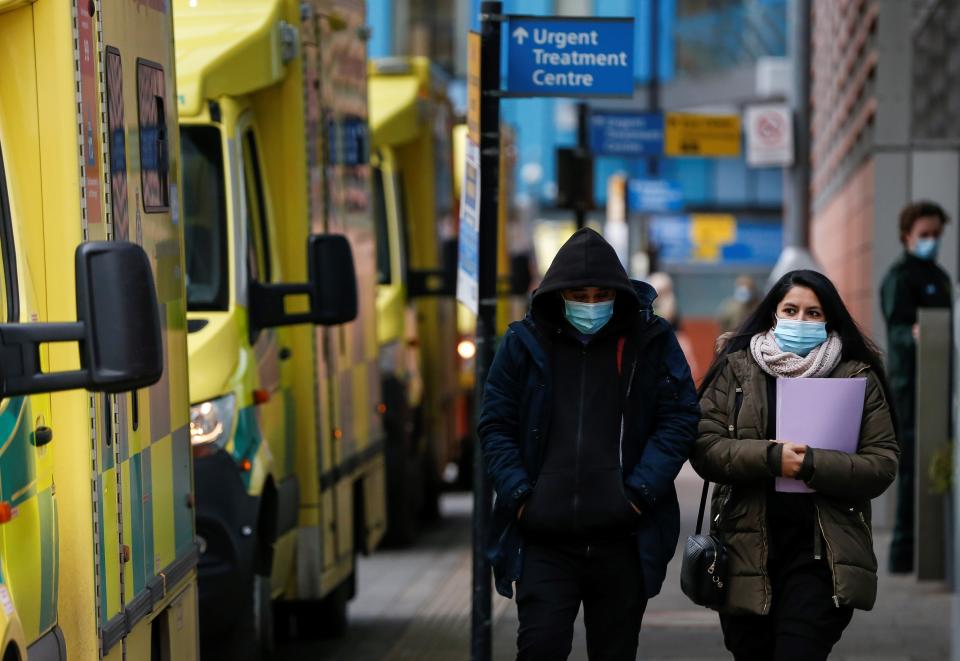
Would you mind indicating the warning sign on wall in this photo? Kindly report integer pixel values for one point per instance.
(769, 135)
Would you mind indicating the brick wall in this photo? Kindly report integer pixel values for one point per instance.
(844, 106)
(841, 239)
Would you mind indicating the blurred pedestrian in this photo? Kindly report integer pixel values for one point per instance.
(914, 281)
(799, 562)
(665, 305)
(588, 414)
(735, 310)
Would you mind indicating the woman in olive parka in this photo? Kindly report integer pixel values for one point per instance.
(800, 563)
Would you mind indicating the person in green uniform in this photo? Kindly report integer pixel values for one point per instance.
(913, 281)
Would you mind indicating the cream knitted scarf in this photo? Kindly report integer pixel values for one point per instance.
(776, 362)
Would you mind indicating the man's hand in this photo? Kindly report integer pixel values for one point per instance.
(792, 458)
(520, 511)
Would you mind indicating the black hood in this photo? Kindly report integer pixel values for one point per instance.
(587, 260)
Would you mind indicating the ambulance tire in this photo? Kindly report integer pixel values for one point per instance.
(432, 486)
(263, 617)
(403, 469)
(465, 464)
(254, 635)
(326, 618)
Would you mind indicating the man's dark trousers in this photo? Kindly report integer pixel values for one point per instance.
(605, 576)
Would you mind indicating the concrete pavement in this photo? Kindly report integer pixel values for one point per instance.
(415, 604)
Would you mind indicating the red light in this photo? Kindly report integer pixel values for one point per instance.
(381, 408)
(6, 512)
(261, 396)
(246, 465)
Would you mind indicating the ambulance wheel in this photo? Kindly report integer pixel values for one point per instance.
(326, 618)
(432, 486)
(263, 617)
(403, 467)
(465, 464)
(253, 637)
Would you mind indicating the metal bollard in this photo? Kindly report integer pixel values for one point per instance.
(932, 432)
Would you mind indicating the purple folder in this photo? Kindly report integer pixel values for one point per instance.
(820, 413)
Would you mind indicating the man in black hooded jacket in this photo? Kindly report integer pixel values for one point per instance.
(588, 415)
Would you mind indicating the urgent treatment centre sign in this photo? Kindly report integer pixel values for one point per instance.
(562, 56)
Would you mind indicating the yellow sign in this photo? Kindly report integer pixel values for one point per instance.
(473, 86)
(709, 232)
(701, 135)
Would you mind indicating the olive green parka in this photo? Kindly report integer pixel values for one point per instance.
(731, 451)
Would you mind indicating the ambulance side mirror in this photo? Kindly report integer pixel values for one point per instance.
(117, 329)
(329, 298)
(334, 279)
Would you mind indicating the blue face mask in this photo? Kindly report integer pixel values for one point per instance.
(800, 337)
(926, 248)
(588, 318)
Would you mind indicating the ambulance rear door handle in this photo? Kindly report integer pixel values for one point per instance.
(42, 435)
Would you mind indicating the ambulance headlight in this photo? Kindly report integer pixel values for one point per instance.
(467, 348)
(210, 421)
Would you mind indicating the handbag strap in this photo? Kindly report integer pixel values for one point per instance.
(703, 505)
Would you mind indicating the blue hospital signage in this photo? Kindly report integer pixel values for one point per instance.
(560, 56)
(620, 133)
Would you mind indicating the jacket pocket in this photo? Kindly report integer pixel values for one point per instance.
(849, 535)
(549, 509)
(603, 506)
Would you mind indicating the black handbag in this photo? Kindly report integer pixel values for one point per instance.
(703, 576)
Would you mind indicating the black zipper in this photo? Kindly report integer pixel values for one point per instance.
(576, 466)
(732, 429)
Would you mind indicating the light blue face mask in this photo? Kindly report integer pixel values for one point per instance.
(588, 318)
(800, 337)
(926, 248)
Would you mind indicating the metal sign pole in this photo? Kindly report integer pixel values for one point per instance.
(491, 17)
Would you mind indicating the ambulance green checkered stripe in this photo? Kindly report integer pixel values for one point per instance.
(247, 440)
(146, 502)
(136, 521)
(17, 460)
(104, 574)
(182, 486)
(48, 559)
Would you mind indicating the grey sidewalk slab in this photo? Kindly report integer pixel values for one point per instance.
(415, 604)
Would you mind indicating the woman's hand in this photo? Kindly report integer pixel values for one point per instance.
(792, 458)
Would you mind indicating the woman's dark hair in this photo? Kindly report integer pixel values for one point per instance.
(856, 345)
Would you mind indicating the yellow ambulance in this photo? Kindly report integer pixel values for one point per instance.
(286, 418)
(411, 123)
(97, 547)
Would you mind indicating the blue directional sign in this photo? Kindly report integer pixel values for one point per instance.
(562, 56)
(655, 195)
(615, 133)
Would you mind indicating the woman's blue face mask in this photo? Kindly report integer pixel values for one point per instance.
(800, 337)
(588, 318)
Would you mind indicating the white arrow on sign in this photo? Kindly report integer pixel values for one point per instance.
(520, 34)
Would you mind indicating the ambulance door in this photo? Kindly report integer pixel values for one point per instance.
(270, 345)
(28, 518)
(144, 480)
